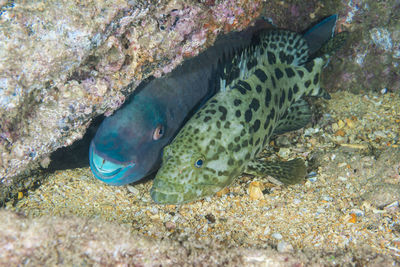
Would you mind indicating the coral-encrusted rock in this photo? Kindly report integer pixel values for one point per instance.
(371, 58)
(62, 63)
(54, 241)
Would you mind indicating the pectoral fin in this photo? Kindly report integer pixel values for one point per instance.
(286, 172)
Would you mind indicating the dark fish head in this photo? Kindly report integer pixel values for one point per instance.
(127, 144)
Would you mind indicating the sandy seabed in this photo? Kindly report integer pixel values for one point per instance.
(346, 212)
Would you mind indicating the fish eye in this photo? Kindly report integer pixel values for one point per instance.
(158, 132)
(199, 163)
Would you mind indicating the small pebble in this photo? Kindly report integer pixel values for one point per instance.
(170, 225)
(282, 140)
(267, 230)
(132, 189)
(357, 212)
(313, 179)
(312, 174)
(296, 201)
(341, 124)
(284, 247)
(210, 218)
(327, 198)
(277, 236)
(310, 131)
(284, 152)
(255, 191)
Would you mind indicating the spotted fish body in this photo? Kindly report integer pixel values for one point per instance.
(222, 140)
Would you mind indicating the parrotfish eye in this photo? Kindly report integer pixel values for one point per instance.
(199, 163)
(158, 132)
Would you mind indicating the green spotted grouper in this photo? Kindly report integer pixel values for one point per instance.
(263, 96)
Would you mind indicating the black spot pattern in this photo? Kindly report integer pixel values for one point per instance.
(267, 97)
(238, 113)
(273, 82)
(278, 73)
(255, 104)
(256, 125)
(261, 75)
(252, 63)
(290, 94)
(272, 113)
(237, 102)
(282, 100)
(307, 83)
(271, 57)
(241, 89)
(316, 79)
(266, 123)
(230, 146)
(258, 88)
(289, 72)
(245, 85)
(301, 73)
(265, 140)
(282, 56)
(295, 89)
(248, 115)
(309, 66)
(245, 143)
(224, 111)
(207, 118)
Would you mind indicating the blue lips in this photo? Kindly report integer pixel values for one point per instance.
(107, 171)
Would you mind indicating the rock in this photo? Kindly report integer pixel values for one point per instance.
(64, 63)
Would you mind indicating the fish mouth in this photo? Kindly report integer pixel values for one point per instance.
(109, 172)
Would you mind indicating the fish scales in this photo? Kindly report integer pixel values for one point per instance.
(221, 141)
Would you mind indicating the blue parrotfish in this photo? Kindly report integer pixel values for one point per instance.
(224, 137)
(128, 145)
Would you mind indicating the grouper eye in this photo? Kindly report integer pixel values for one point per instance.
(198, 163)
(158, 132)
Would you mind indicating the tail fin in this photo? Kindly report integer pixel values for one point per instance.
(319, 34)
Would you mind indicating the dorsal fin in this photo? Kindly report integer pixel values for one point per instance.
(285, 47)
(272, 47)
